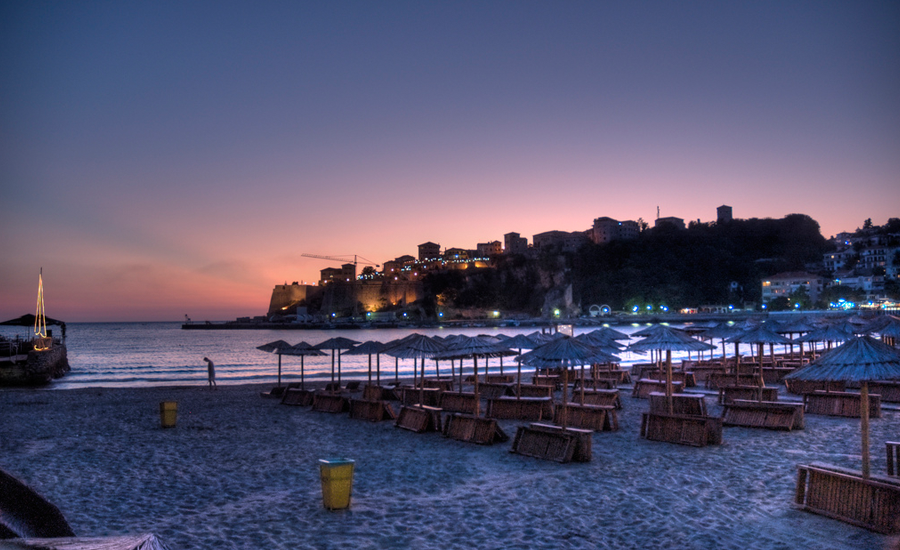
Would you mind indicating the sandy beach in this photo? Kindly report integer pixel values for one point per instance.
(240, 472)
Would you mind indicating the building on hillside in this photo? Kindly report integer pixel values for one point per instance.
(428, 251)
(606, 230)
(671, 221)
(784, 284)
(454, 254)
(515, 244)
(393, 267)
(345, 273)
(837, 260)
(493, 248)
(723, 214)
(862, 280)
(566, 241)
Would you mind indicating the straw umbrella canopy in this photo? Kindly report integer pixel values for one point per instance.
(861, 359)
(760, 335)
(277, 347)
(722, 331)
(416, 346)
(563, 352)
(369, 348)
(474, 347)
(336, 344)
(302, 350)
(669, 340)
(826, 334)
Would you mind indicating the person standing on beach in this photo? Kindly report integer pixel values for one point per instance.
(212, 372)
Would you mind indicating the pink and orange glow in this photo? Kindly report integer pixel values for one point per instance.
(166, 159)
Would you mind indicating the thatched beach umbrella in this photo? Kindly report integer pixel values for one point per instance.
(669, 340)
(563, 351)
(760, 335)
(474, 347)
(722, 331)
(277, 347)
(303, 350)
(828, 335)
(861, 359)
(416, 346)
(369, 348)
(336, 344)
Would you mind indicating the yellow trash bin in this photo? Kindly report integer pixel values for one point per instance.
(337, 480)
(167, 413)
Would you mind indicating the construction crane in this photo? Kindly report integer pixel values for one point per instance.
(343, 259)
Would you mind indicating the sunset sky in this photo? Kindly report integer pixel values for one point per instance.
(167, 158)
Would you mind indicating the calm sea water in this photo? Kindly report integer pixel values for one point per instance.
(154, 354)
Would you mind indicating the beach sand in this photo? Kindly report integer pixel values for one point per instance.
(240, 472)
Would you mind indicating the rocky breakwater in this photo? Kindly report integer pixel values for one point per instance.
(39, 368)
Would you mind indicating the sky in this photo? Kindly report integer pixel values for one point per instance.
(171, 158)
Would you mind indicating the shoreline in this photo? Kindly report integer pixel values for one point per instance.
(240, 471)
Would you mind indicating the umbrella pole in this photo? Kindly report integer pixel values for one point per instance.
(378, 369)
(864, 426)
(762, 381)
(501, 365)
(565, 396)
(519, 378)
(437, 370)
(422, 384)
(339, 371)
(370, 369)
(669, 404)
(302, 384)
(475, 368)
(582, 383)
(332, 368)
(396, 370)
(279, 370)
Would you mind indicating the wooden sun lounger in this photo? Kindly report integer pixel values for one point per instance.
(374, 393)
(840, 404)
(774, 375)
(443, 384)
(730, 393)
(419, 419)
(373, 411)
(549, 442)
(609, 383)
(893, 458)
(685, 378)
(888, 390)
(645, 386)
(530, 390)
(767, 414)
(845, 495)
(525, 408)
(412, 396)
(552, 380)
(682, 403)
(461, 402)
(718, 380)
(491, 390)
(596, 418)
(802, 387)
(297, 397)
(470, 429)
(682, 429)
(606, 398)
(329, 402)
(703, 372)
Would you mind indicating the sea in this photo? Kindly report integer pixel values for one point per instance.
(163, 354)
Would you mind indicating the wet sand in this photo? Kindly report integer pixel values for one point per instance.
(240, 472)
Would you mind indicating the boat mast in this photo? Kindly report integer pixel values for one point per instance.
(40, 320)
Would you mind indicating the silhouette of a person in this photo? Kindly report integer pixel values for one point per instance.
(212, 372)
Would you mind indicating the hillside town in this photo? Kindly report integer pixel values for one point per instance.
(858, 269)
